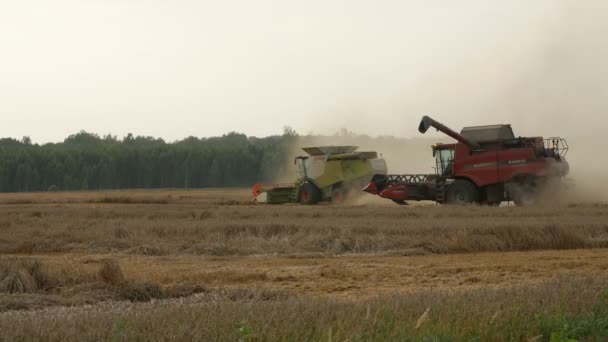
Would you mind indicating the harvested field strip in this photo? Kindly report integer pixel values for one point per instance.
(136, 225)
(343, 276)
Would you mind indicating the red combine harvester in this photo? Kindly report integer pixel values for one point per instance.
(488, 165)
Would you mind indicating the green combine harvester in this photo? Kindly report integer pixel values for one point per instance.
(327, 173)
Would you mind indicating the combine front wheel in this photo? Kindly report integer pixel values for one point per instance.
(309, 193)
(462, 192)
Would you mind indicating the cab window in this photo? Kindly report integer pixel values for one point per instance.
(443, 160)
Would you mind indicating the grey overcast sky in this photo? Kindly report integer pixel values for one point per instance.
(172, 69)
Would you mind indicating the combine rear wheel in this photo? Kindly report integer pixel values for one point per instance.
(524, 192)
(522, 196)
(462, 192)
(309, 194)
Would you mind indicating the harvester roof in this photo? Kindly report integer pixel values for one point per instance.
(329, 150)
(340, 152)
(488, 133)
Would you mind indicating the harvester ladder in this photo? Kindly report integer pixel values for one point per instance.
(293, 197)
(440, 191)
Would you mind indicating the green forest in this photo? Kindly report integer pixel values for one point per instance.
(86, 161)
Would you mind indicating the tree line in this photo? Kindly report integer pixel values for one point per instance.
(86, 161)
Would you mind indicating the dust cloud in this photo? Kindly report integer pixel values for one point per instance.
(549, 78)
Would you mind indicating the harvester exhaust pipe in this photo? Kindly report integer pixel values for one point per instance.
(428, 122)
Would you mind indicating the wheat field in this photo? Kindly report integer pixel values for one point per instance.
(212, 265)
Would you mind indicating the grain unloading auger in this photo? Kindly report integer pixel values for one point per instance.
(487, 165)
(327, 173)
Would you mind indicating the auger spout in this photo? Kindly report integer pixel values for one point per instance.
(427, 122)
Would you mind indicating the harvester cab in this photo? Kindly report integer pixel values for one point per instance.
(444, 156)
(326, 173)
(300, 163)
(487, 165)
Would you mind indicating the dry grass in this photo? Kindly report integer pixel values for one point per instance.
(207, 196)
(202, 224)
(217, 267)
(556, 310)
(22, 276)
(39, 285)
(111, 273)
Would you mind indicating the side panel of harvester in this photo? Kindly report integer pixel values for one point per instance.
(340, 175)
(501, 166)
(337, 171)
(479, 168)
